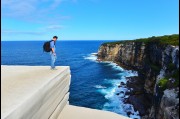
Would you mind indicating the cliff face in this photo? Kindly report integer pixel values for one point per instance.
(158, 67)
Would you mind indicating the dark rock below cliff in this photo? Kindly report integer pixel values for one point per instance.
(140, 103)
(138, 98)
(136, 84)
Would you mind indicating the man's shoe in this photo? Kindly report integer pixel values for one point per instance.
(53, 69)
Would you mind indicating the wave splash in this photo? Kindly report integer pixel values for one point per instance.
(116, 93)
(92, 57)
(100, 87)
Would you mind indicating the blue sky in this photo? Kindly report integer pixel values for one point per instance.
(88, 19)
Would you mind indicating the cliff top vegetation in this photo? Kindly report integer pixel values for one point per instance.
(164, 40)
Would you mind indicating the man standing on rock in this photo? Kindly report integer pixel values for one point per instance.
(53, 52)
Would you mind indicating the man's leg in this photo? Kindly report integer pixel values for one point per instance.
(52, 61)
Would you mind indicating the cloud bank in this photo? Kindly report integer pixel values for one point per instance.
(40, 11)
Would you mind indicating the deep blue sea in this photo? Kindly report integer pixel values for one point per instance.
(93, 84)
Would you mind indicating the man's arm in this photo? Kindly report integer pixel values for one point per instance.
(53, 51)
(52, 48)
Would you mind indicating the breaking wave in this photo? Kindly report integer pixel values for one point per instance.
(114, 93)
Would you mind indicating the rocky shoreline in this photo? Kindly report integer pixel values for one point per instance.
(158, 73)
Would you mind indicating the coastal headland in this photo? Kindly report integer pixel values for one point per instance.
(155, 91)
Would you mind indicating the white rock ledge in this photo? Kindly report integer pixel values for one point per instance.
(36, 92)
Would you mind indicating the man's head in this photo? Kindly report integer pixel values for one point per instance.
(55, 38)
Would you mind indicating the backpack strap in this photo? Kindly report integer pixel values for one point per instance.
(54, 42)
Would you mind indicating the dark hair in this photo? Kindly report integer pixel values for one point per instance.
(55, 37)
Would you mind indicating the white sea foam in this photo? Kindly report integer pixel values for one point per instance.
(115, 95)
(128, 73)
(91, 57)
(94, 53)
(115, 102)
(100, 87)
(126, 96)
(115, 66)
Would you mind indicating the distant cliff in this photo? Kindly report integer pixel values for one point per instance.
(156, 89)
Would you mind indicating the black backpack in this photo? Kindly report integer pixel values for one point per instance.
(46, 46)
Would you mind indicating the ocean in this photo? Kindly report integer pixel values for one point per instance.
(93, 84)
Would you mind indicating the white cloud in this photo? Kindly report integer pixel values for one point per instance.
(56, 3)
(17, 7)
(13, 32)
(55, 27)
(39, 31)
(40, 11)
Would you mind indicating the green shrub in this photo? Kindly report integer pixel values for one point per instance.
(163, 83)
(117, 42)
(163, 40)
